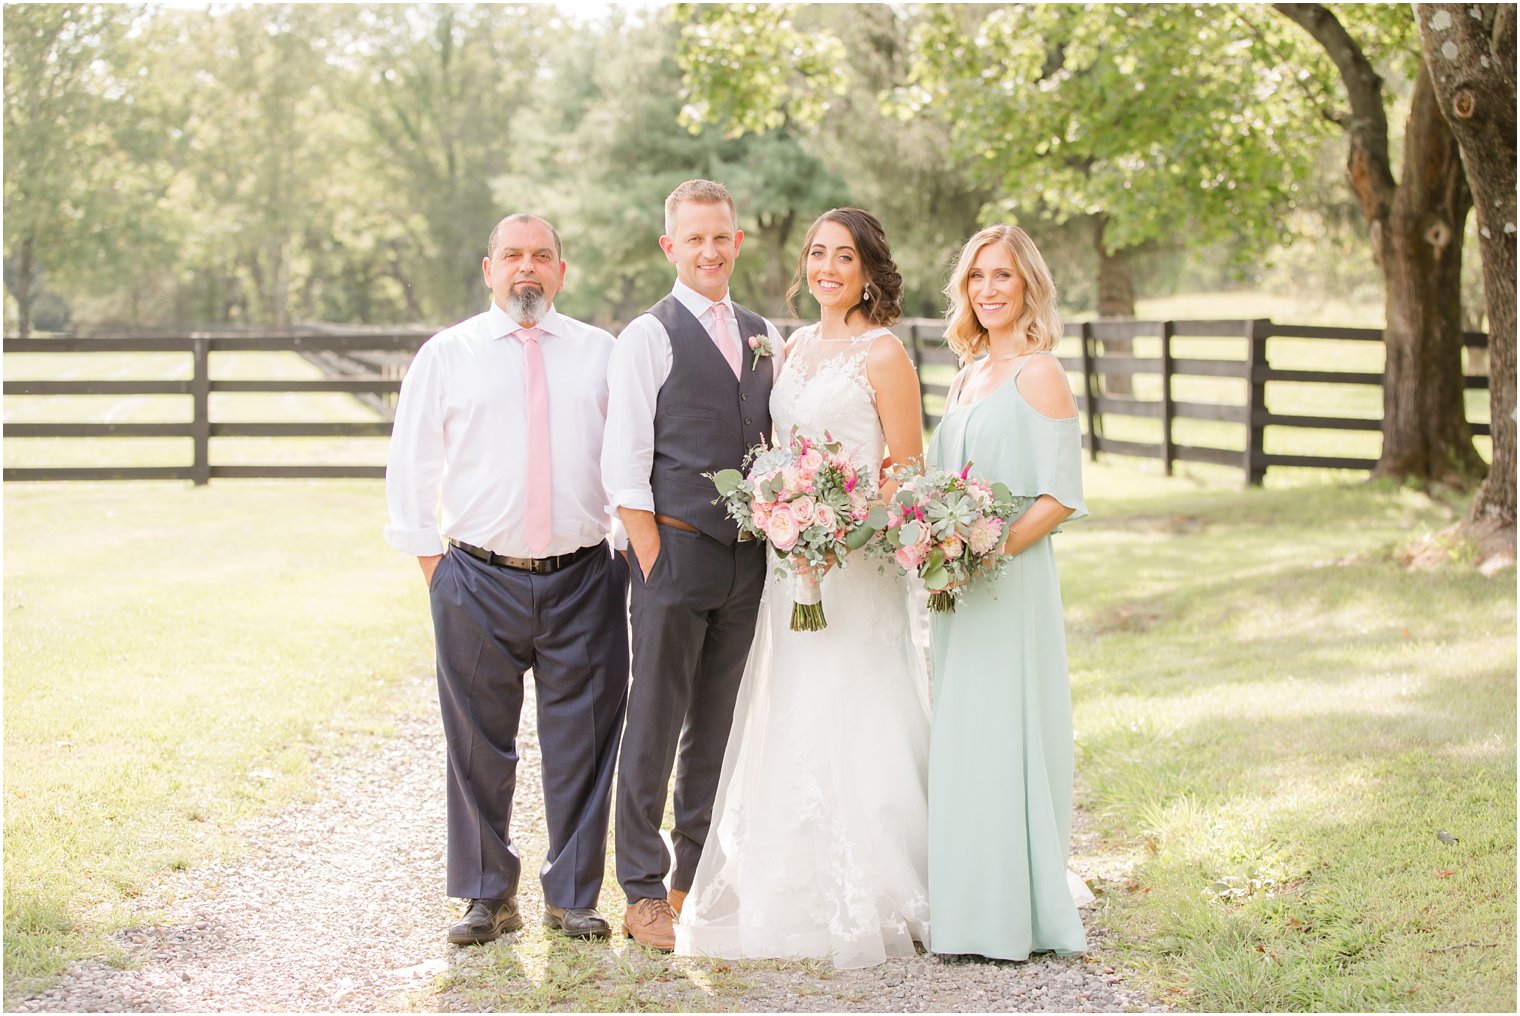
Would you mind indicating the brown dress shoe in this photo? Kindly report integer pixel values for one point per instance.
(651, 923)
(677, 900)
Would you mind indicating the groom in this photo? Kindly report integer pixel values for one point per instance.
(687, 395)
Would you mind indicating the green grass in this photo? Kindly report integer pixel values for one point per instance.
(1276, 719)
(172, 657)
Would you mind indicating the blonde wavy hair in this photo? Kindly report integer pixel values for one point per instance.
(1040, 321)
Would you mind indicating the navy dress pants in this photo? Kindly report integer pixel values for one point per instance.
(492, 624)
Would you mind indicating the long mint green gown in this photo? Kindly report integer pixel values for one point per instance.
(1000, 751)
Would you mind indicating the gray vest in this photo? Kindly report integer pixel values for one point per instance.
(704, 419)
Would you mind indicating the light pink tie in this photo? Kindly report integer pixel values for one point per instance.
(726, 345)
(540, 526)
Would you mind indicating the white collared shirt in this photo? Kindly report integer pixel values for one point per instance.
(641, 362)
(458, 464)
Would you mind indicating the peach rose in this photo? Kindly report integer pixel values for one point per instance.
(782, 528)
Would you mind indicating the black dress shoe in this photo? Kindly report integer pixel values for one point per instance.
(486, 921)
(576, 922)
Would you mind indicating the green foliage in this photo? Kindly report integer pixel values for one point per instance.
(751, 65)
(438, 93)
(619, 152)
(1153, 116)
(70, 125)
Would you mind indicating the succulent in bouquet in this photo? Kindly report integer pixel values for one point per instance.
(946, 527)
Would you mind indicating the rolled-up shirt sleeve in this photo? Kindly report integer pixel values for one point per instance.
(779, 346)
(414, 468)
(639, 366)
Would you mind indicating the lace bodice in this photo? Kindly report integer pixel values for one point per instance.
(824, 388)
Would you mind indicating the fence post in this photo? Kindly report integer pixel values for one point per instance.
(1257, 332)
(200, 396)
(918, 365)
(1090, 390)
(1167, 452)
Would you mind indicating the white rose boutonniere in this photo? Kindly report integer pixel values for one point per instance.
(761, 344)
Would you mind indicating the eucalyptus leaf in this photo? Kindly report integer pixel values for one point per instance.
(859, 537)
(727, 481)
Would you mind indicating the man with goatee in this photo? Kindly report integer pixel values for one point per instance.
(494, 484)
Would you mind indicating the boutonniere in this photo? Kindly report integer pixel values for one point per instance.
(761, 344)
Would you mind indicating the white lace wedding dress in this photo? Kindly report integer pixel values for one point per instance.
(818, 841)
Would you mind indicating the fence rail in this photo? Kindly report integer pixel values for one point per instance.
(200, 386)
(369, 366)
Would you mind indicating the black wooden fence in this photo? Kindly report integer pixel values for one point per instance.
(382, 381)
(369, 366)
(1090, 366)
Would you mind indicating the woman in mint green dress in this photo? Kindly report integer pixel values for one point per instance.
(1000, 752)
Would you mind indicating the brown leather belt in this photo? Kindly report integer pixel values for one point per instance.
(536, 565)
(685, 527)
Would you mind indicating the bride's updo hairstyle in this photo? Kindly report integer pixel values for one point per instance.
(883, 283)
(1040, 321)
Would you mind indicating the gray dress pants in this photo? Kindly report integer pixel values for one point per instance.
(693, 621)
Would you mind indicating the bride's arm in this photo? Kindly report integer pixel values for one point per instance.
(899, 405)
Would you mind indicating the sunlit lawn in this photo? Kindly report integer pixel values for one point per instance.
(1278, 719)
(173, 657)
(1274, 719)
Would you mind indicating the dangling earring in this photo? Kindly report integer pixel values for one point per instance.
(865, 294)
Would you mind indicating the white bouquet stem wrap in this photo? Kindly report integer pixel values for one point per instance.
(807, 602)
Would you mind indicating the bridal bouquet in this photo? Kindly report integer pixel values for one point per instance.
(807, 500)
(945, 526)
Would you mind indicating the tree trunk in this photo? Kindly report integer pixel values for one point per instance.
(1116, 300)
(23, 292)
(1415, 227)
(1425, 431)
(1471, 51)
(279, 305)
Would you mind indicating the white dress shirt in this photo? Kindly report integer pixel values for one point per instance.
(458, 443)
(640, 364)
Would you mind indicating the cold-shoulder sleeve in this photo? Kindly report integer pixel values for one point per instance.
(1052, 465)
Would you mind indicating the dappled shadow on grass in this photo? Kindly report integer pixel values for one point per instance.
(1293, 862)
(1280, 718)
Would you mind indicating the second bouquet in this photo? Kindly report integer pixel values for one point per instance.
(807, 500)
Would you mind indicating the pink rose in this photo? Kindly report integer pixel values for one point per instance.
(826, 517)
(810, 461)
(952, 546)
(907, 558)
(782, 528)
(804, 510)
(791, 479)
(760, 512)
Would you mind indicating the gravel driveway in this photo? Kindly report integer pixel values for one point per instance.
(337, 905)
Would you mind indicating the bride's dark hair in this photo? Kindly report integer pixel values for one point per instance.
(883, 282)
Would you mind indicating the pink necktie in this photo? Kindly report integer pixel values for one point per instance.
(725, 343)
(538, 521)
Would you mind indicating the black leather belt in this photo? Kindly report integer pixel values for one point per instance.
(536, 565)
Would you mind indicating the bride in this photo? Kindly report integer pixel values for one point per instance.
(818, 843)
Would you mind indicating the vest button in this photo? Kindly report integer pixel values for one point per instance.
(743, 397)
(747, 421)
